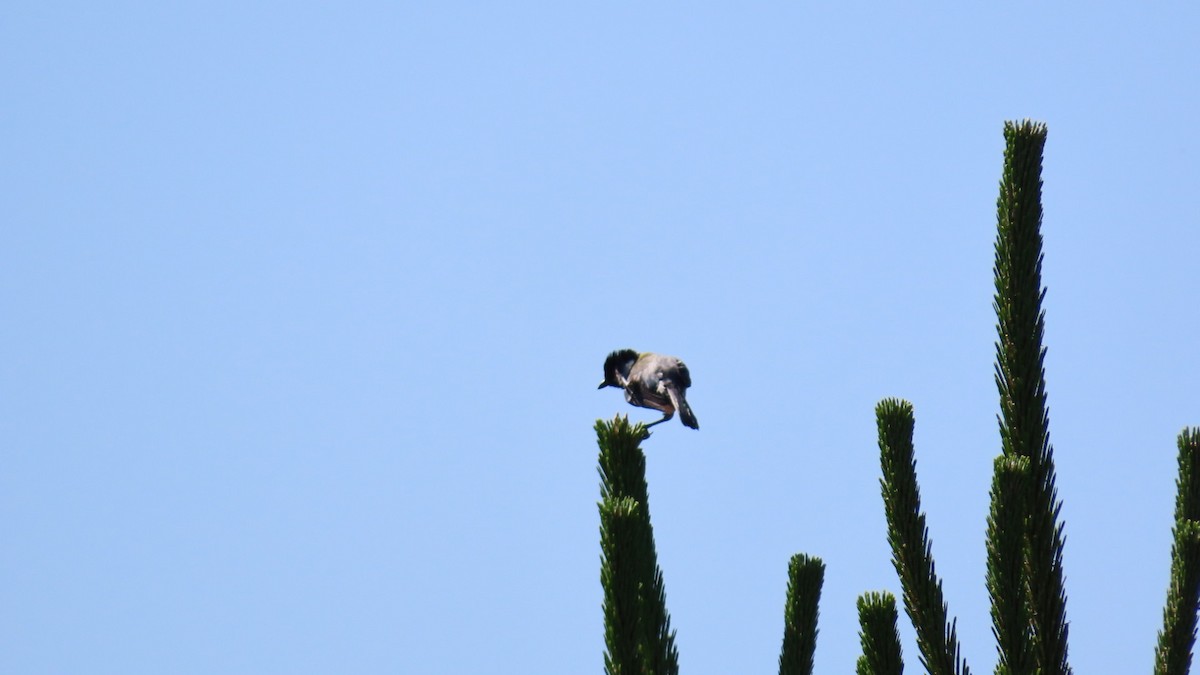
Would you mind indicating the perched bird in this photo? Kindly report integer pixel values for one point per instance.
(651, 381)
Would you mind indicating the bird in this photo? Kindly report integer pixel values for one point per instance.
(654, 381)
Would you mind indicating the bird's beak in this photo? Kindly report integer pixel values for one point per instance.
(602, 385)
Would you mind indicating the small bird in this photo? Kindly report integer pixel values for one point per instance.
(651, 381)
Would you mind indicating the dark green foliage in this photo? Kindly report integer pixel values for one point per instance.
(880, 638)
(1178, 636)
(638, 636)
(622, 462)
(805, 577)
(911, 550)
(1020, 377)
(1024, 533)
(619, 539)
(1005, 580)
(1187, 485)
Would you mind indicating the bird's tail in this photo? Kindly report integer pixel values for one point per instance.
(685, 411)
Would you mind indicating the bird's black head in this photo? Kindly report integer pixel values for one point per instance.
(617, 366)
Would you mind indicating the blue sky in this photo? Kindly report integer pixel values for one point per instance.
(305, 306)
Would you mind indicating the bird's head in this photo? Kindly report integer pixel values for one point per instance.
(617, 366)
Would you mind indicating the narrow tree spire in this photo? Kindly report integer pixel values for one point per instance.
(1020, 377)
(805, 577)
(879, 635)
(912, 553)
(637, 629)
(1178, 636)
(1005, 578)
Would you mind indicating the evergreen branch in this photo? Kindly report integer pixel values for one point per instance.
(1005, 581)
(1178, 636)
(805, 577)
(880, 638)
(912, 553)
(1187, 498)
(1020, 378)
(624, 636)
(638, 635)
(622, 463)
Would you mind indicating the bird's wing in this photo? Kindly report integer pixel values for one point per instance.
(685, 378)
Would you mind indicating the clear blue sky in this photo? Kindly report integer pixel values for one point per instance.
(305, 305)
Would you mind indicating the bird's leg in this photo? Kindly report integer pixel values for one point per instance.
(666, 417)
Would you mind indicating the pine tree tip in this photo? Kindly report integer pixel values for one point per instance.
(1026, 126)
(1189, 439)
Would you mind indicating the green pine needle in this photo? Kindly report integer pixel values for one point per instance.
(805, 577)
(1178, 636)
(912, 553)
(1020, 378)
(1005, 566)
(880, 637)
(637, 628)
